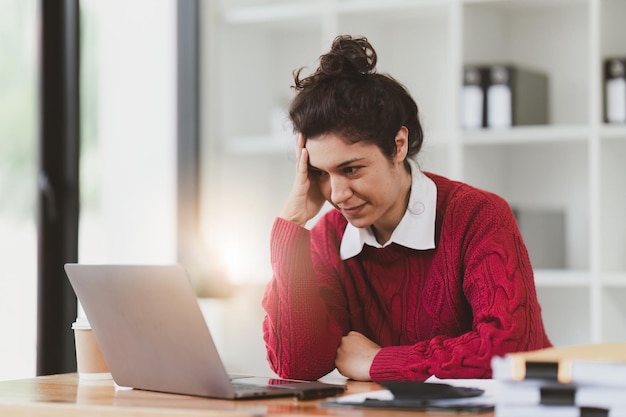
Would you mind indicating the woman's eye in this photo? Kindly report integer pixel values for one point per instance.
(317, 172)
(350, 170)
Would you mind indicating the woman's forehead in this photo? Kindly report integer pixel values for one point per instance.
(331, 150)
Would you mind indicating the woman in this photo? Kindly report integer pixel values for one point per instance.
(411, 274)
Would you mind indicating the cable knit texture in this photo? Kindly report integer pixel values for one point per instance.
(443, 312)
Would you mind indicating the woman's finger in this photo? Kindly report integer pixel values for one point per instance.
(303, 165)
(299, 146)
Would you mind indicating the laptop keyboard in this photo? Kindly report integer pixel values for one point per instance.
(241, 387)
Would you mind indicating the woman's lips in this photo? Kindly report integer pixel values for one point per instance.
(352, 211)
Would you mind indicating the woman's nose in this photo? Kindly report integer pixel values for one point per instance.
(339, 190)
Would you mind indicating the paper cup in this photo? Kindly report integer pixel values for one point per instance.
(89, 359)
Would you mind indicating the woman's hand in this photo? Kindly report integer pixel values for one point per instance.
(355, 356)
(305, 199)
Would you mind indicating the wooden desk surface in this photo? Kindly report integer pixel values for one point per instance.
(67, 396)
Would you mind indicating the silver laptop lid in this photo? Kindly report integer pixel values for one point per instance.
(150, 328)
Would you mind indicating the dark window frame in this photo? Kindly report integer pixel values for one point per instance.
(57, 196)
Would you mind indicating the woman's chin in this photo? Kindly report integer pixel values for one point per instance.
(360, 223)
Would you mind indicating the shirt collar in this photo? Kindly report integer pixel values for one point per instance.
(416, 230)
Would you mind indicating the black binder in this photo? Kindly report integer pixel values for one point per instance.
(516, 96)
(615, 90)
(502, 95)
(474, 97)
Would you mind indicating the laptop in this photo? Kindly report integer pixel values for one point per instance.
(153, 336)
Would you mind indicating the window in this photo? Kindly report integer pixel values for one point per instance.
(18, 166)
(128, 132)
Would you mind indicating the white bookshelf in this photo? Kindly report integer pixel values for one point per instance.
(574, 164)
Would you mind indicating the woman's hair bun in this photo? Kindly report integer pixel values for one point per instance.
(346, 96)
(347, 56)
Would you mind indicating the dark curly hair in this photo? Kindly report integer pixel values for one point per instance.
(346, 96)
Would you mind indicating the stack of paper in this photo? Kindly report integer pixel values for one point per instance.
(576, 381)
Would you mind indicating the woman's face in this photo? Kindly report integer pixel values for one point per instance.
(366, 186)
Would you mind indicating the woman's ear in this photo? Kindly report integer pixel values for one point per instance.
(402, 144)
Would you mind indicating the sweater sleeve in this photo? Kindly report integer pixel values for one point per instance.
(498, 283)
(301, 337)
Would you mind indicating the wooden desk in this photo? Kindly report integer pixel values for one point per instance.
(67, 396)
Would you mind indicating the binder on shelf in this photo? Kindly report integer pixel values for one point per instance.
(615, 90)
(474, 97)
(516, 96)
(502, 96)
(544, 232)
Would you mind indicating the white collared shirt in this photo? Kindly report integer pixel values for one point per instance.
(416, 230)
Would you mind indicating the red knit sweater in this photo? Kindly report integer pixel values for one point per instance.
(444, 312)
